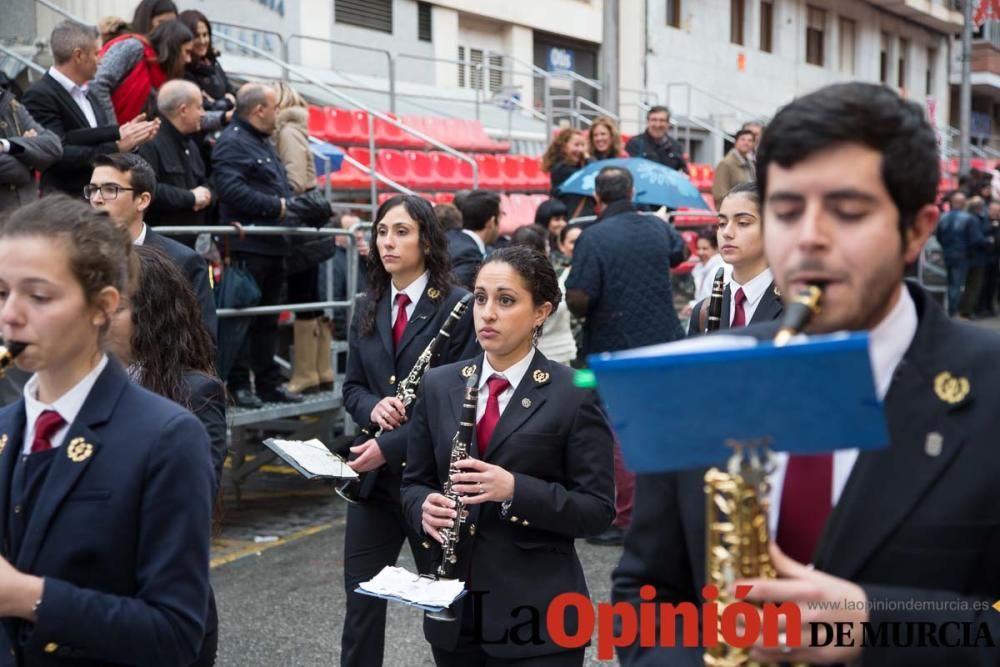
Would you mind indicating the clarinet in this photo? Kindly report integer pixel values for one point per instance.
(715, 301)
(8, 354)
(406, 391)
(459, 450)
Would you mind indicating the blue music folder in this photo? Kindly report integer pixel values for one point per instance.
(674, 406)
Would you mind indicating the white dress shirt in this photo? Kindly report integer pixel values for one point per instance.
(414, 290)
(753, 290)
(78, 93)
(514, 375)
(479, 242)
(704, 273)
(887, 343)
(141, 238)
(68, 405)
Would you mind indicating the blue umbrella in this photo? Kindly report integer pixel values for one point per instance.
(655, 184)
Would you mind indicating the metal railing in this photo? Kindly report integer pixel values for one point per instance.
(30, 64)
(390, 60)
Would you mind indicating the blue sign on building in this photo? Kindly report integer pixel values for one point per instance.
(560, 60)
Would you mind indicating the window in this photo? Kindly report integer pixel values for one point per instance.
(736, 21)
(929, 74)
(767, 27)
(674, 13)
(883, 59)
(846, 62)
(815, 29)
(472, 65)
(424, 22)
(904, 47)
(371, 14)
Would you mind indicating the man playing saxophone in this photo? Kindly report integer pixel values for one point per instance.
(848, 178)
(538, 474)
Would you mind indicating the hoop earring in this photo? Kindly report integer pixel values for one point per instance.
(535, 335)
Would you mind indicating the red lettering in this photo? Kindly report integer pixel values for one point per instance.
(606, 637)
(555, 620)
(647, 617)
(731, 627)
(772, 624)
(710, 618)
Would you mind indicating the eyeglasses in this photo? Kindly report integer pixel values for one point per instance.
(109, 191)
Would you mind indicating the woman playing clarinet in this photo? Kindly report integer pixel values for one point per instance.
(751, 295)
(105, 487)
(539, 474)
(410, 296)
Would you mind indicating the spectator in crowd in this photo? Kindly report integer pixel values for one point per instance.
(556, 340)
(182, 195)
(123, 185)
(565, 156)
(460, 196)
(978, 258)
(151, 13)
(480, 229)
(756, 127)
(133, 67)
(959, 233)
(62, 101)
(24, 147)
(991, 276)
(312, 369)
(161, 306)
(605, 139)
(204, 69)
(110, 27)
(737, 167)
(551, 214)
(621, 283)
(567, 241)
(252, 188)
(655, 144)
(449, 216)
(709, 261)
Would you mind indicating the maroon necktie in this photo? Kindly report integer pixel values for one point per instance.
(488, 423)
(46, 426)
(739, 317)
(806, 502)
(399, 326)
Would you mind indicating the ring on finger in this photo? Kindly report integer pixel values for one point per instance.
(481, 488)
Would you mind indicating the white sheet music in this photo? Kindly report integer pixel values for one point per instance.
(397, 582)
(313, 457)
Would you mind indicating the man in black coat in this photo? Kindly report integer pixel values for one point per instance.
(480, 229)
(61, 102)
(904, 534)
(182, 196)
(123, 184)
(252, 189)
(655, 144)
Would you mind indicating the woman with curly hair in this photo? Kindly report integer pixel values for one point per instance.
(605, 139)
(152, 333)
(566, 155)
(409, 297)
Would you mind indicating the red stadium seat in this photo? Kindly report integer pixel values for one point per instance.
(490, 177)
(446, 169)
(387, 134)
(537, 179)
(341, 127)
(394, 165)
(464, 173)
(444, 197)
(350, 177)
(519, 211)
(317, 122)
(512, 172)
(422, 170)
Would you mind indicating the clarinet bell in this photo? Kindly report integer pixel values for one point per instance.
(349, 490)
(446, 615)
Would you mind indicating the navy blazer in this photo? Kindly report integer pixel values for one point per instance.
(195, 269)
(50, 105)
(465, 258)
(913, 522)
(374, 368)
(769, 308)
(555, 440)
(120, 532)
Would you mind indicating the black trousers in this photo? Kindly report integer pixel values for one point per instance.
(374, 537)
(261, 342)
(474, 656)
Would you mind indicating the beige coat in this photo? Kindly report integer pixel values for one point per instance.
(292, 143)
(733, 170)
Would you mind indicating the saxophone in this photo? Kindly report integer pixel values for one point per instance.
(406, 390)
(715, 301)
(8, 354)
(737, 505)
